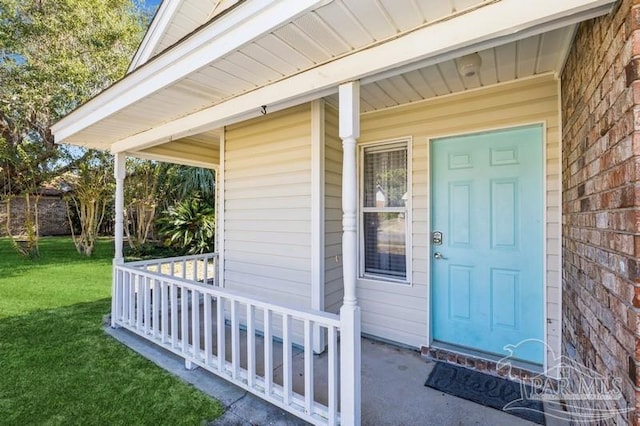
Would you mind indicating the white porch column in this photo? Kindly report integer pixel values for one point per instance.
(119, 173)
(349, 113)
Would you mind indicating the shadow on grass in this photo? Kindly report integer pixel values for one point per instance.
(59, 367)
(53, 251)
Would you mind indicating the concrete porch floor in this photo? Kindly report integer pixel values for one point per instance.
(393, 391)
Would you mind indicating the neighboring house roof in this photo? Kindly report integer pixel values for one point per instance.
(58, 186)
(281, 53)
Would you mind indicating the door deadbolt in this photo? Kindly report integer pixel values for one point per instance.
(436, 238)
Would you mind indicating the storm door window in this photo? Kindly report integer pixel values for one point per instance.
(384, 212)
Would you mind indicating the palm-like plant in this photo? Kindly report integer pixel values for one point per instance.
(189, 226)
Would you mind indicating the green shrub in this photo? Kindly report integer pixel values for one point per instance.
(188, 226)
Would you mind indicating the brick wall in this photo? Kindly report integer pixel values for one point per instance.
(601, 244)
(52, 216)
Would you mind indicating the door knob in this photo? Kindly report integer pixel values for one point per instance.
(438, 256)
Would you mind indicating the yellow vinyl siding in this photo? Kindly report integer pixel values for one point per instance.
(400, 312)
(267, 226)
(186, 150)
(333, 213)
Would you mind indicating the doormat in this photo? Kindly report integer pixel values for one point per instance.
(490, 391)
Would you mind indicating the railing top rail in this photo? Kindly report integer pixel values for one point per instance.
(325, 318)
(171, 259)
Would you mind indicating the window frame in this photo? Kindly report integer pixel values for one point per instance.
(383, 146)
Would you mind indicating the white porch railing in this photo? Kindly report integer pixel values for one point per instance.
(198, 267)
(194, 321)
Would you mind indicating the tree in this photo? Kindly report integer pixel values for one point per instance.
(143, 191)
(92, 192)
(54, 55)
(185, 182)
(152, 188)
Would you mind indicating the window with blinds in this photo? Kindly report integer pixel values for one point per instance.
(384, 208)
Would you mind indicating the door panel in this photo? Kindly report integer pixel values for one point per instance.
(487, 282)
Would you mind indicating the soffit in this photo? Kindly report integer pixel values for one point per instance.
(335, 30)
(536, 55)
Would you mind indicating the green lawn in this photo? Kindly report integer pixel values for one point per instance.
(57, 367)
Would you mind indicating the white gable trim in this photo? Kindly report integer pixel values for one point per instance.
(240, 26)
(428, 45)
(161, 20)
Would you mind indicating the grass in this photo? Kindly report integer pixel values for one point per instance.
(58, 367)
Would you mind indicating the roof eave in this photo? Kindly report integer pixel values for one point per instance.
(243, 25)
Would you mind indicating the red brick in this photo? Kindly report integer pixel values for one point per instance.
(636, 297)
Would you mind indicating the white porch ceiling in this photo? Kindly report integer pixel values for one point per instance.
(540, 54)
(335, 30)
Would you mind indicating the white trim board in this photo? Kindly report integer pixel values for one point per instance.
(317, 215)
(220, 209)
(165, 13)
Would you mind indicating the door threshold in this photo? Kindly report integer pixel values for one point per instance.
(481, 361)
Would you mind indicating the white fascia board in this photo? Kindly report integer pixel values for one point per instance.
(430, 44)
(242, 25)
(156, 31)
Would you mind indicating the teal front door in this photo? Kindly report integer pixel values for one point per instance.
(487, 241)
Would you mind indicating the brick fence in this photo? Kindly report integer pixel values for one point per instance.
(52, 216)
(600, 162)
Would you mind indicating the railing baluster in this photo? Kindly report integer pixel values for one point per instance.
(268, 352)
(132, 299)
(139, 301)
(205, 267)
(165, 310)
(118, 276)
(184, 269)
(147, 305)
(172, 268)
(174, 315)
(207, 329)
(195, 327)
(216, 271)
(235, 340)
(195, 269)
(251, 345)
(156, 308)
(308, 367)
(286, 358)
(221, 335)
(184, 298)
(125, 297)
(332, 371)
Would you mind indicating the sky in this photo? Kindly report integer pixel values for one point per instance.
(152, 5)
